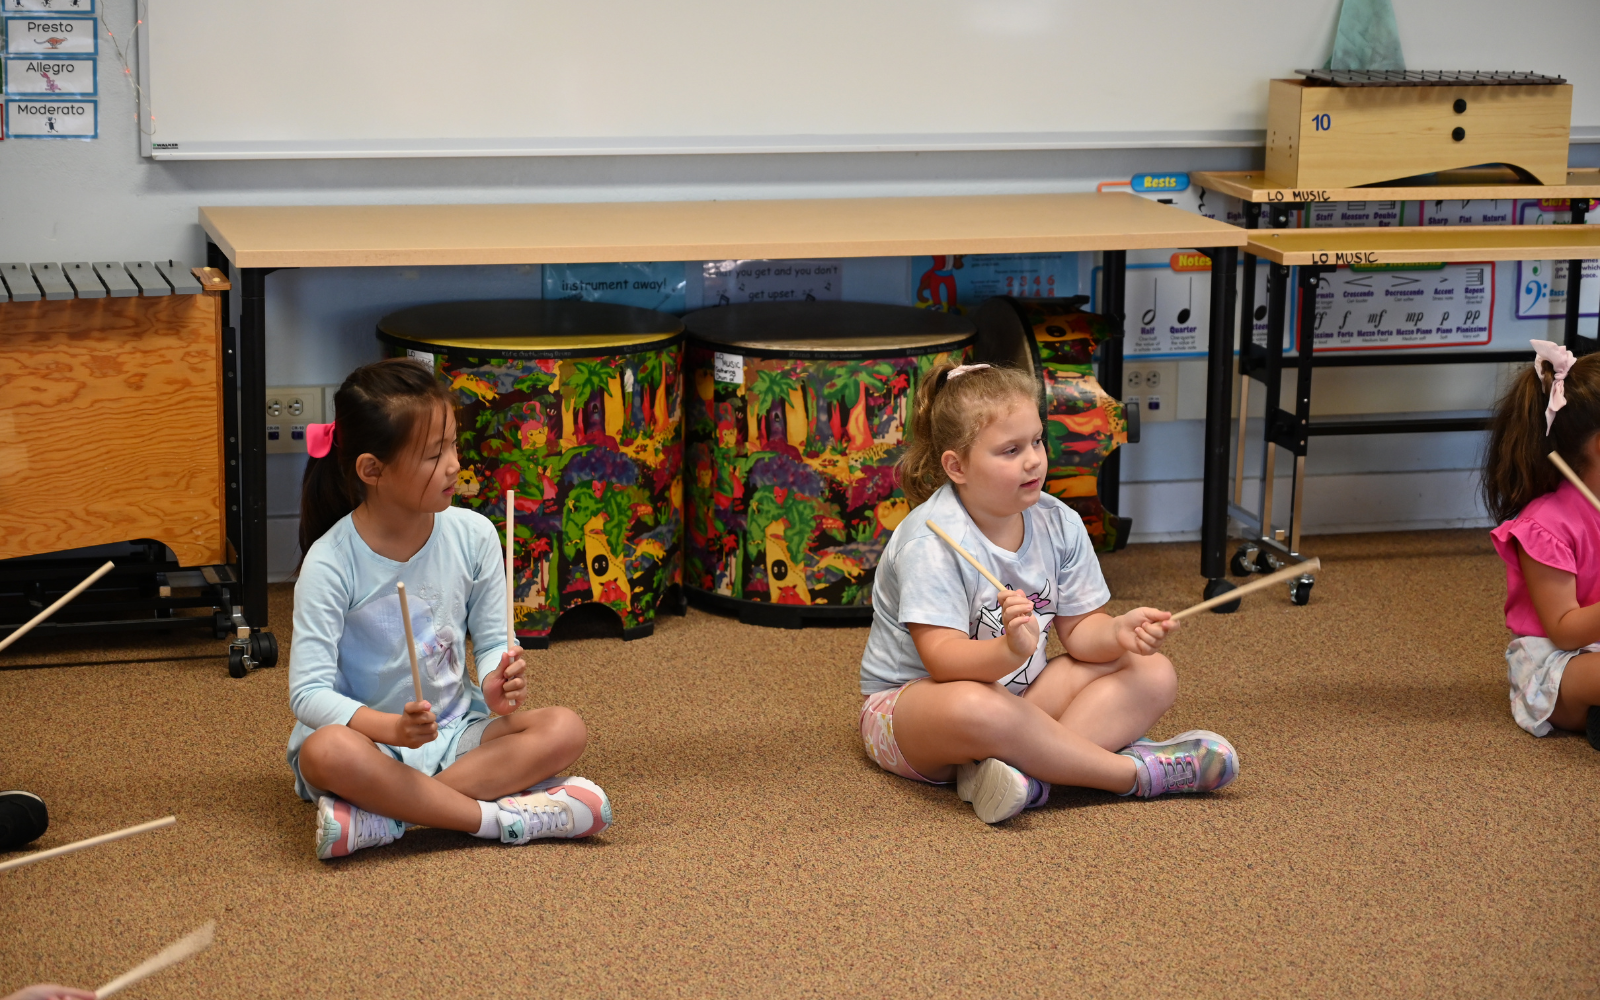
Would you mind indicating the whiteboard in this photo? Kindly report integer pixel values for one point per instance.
(242, 79)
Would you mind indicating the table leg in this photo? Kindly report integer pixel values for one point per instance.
(230, 408)
(1574, 341)
(1219, 365)
(1247, 308)
(1114, 275)
(253, 444)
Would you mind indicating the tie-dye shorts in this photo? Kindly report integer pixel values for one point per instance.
(877, 732)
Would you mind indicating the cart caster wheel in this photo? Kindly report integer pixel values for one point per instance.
(1216, 587)
(264, 649)
(1266, 562)
(1300, 591)
(236, 664)
(1243, 563)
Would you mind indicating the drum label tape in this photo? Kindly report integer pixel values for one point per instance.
(728, 368)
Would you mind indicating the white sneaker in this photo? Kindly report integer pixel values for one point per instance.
(343, 829)
(997, 790)
(556, 807)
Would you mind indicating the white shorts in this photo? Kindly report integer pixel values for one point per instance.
(1534, 667)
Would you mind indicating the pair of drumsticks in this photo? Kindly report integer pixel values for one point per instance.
(511, 598)
(1306, 568)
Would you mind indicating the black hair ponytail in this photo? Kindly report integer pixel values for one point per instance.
(378, 410)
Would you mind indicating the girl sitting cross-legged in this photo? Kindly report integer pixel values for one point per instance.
(955, 677)
(376, 511)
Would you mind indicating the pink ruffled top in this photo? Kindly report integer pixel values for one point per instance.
(1561, 531)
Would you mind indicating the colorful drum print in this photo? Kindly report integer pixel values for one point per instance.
(1056, 340)
(574, 406)
(796, 414)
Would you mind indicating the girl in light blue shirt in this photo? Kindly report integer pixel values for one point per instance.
(375, 511)
(955, 680)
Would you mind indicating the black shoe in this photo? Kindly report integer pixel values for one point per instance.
(1591, 726)
(23, 819)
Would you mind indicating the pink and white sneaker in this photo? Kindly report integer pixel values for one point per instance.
(997, 790)
(343, 829)
(556, 807)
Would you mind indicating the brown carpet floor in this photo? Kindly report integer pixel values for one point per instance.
(1392, 832)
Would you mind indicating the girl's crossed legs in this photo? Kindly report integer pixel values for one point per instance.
(517, 751)
(1064, 729)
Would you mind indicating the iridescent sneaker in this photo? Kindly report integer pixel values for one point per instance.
(343, 829)
(1195, 761)
(556, 807)
(997, 790)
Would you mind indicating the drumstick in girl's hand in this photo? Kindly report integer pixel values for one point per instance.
(411, 645)
(1307, 568)
(78, 845)
(52, 609)
(188, 946)
(511, 563)
(966, 555)
(1566, 470)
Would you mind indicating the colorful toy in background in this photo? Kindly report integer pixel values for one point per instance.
(592, 444)
(1056, 340)
(791, 461)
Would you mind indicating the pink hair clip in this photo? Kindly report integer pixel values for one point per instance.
(962, 370)
(1561, 361)
(319, 439)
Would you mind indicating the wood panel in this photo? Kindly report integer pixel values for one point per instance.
(414, 235)
(1492, 183)
(1425, 244)
(111, 425)
(1368, 135)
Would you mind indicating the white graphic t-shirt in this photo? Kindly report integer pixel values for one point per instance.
(349, 645)
(921, 580)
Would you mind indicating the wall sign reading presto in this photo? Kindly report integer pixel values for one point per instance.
(50, 76)
(52, 120)
(51, 36)
(1416, 305)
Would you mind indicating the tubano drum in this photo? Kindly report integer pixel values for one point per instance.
(574, 406)
(797, 413)
(1056, 340)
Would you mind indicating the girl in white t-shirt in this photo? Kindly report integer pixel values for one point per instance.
(955, 677)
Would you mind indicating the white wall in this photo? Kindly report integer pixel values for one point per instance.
(65, 201)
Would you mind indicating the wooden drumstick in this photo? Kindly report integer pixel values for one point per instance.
(78, 845)
(188, 946)
(1566, 470)
(511, 569)
(968, 556)
(411, 644)
(52, 609)
(1307, 568)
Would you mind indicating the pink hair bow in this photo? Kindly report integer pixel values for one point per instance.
(962, 370)
(1561, 361)
(319, 439)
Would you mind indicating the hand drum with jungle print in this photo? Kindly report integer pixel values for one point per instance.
(574, 406)
(1056, 340)
(796, 414)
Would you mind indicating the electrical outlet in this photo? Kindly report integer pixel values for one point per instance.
(289, 409)
(1154, 386)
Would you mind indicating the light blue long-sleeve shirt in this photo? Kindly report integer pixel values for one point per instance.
(349, 645)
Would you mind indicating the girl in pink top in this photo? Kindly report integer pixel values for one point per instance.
(1549, 537)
